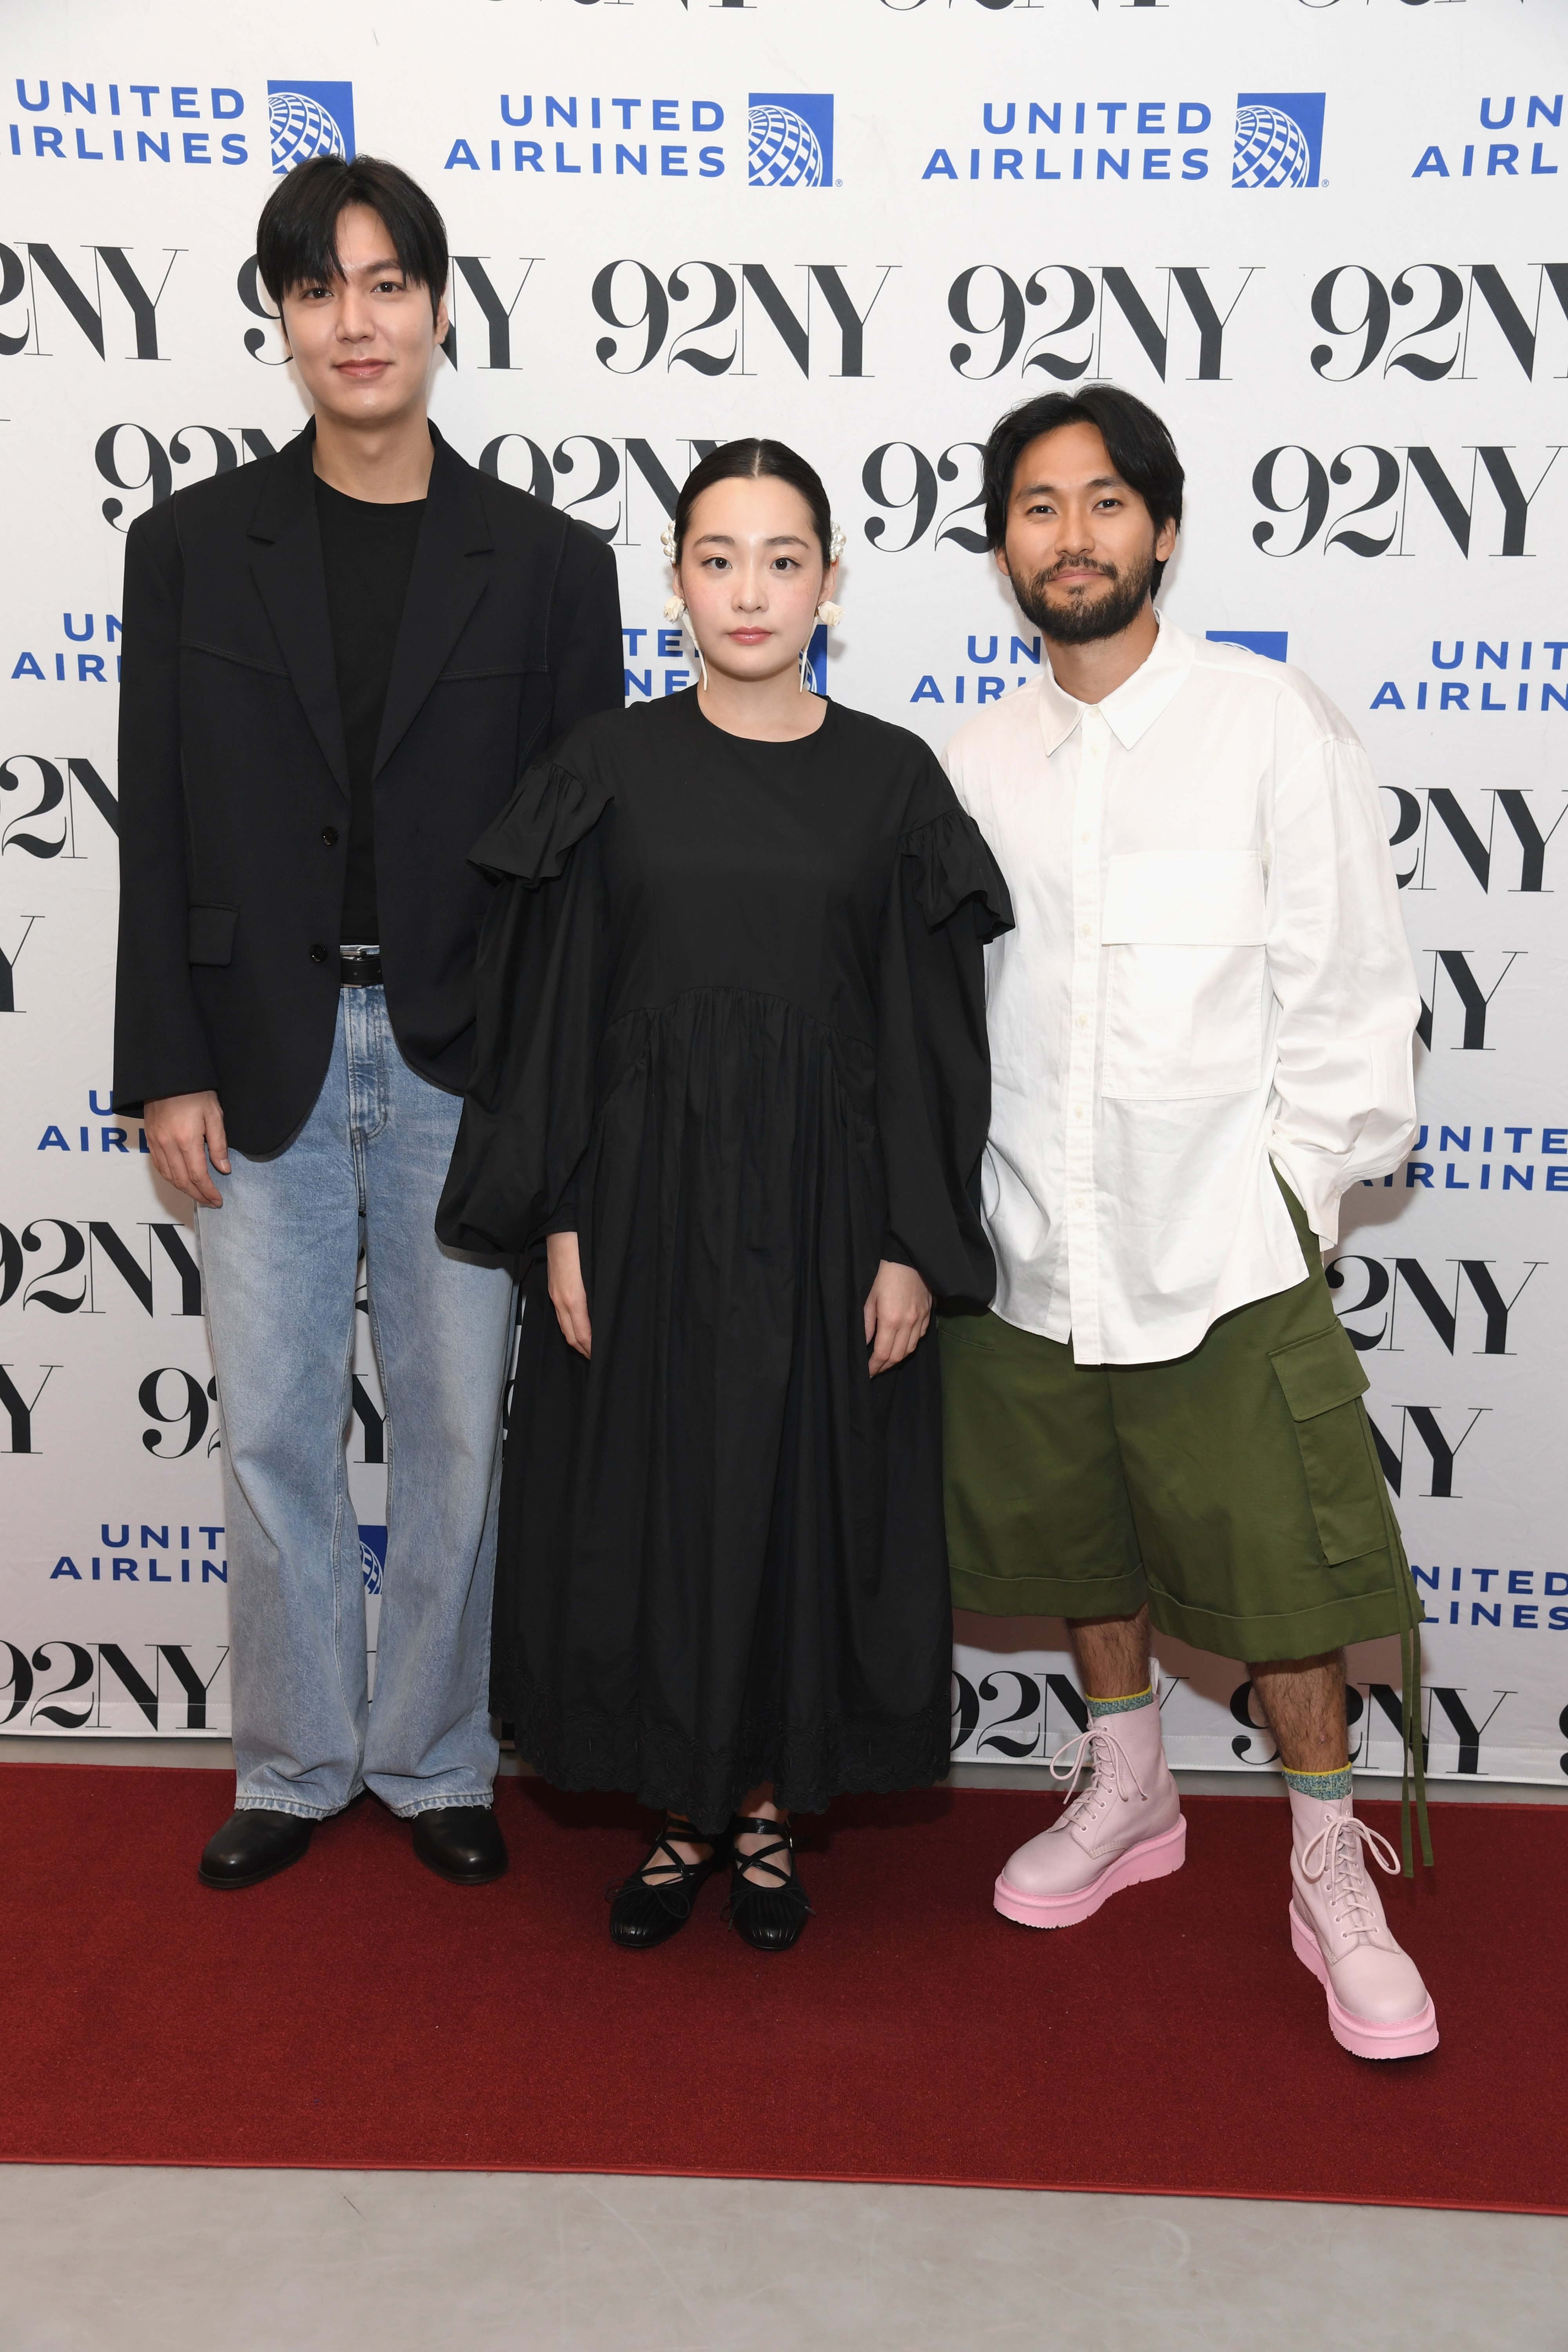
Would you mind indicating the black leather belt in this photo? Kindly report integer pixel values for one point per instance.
(359, 968)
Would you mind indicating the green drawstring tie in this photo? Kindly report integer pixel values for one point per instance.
(1410, 1733)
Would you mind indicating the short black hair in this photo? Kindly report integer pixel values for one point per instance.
(744, 460)
(1138, 441)
(297, 236)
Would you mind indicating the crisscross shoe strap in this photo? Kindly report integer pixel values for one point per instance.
(672, 1886)
(759, 1826)
(1337, 1853)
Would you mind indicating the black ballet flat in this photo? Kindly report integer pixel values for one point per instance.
(769, 1918)
(643, 1914)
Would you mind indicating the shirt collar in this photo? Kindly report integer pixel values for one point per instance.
(1137, 702)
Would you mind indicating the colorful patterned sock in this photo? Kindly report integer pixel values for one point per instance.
(1326, 1785)
(1098, 1706)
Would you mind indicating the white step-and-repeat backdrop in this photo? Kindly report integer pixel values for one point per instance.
(1321, 235)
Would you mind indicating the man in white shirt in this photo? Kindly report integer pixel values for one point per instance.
(1201, 1034)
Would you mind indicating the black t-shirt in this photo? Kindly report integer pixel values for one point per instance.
(368, 552)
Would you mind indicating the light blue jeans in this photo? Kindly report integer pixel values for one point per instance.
(279, 1263)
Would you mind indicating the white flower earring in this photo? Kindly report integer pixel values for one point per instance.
(827, 613)
(674, 606)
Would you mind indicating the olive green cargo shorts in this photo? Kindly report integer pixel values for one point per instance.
(1236, 1490)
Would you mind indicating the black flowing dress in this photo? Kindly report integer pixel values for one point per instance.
(731, 1033)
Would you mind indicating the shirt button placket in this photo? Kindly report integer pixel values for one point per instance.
(1082, 1237)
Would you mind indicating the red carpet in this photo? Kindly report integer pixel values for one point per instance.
(357, 2012)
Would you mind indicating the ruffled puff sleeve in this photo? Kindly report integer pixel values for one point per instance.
(540, 993)
(947, 901)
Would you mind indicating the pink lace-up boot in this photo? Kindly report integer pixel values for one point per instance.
(1378, 2006)
(1124, 1826)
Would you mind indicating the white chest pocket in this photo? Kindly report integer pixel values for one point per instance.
(1187, 977)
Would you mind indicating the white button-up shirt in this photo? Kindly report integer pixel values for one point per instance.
(1209, 975)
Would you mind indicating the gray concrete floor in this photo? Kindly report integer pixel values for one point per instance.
(117, 2261)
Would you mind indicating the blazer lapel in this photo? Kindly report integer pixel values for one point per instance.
(452, 563)
(286, 564)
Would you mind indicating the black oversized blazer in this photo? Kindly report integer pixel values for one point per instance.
(233, 786)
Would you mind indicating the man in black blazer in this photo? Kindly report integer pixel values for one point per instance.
(337, 664)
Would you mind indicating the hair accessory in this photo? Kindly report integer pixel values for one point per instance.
(675, 610)
(830, 615)
(837, 539)
(667, 541)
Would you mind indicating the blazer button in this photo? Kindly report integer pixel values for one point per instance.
(318, 953)
(328, 836)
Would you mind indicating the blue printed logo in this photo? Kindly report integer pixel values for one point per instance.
(308, 119)
(372, 1543)
(1270, 643)
(1278, 139)
(790, 138)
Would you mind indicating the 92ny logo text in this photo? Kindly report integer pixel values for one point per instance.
(1473, 299)
(87, 1252)
(62, 1684)
(185, 1410)
(1471, 1306)
(1467, 320)
(1482, 504)
(1007, 1712)
(42, 823)
(1456, 837)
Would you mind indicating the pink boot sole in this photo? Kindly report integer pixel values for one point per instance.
(1155, 1857)
(1364, 2037)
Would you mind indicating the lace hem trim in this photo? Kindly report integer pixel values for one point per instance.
(808, 1765)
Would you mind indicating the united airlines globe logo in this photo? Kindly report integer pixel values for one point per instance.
(372, 1557)
(784, 150)
(1278, 139)
(309, 119)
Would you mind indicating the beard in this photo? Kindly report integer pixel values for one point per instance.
(1080, 617)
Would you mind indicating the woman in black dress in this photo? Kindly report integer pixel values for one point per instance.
(731, 1087)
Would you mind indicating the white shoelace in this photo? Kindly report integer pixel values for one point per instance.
(1108, 1760)
(1337, 1853)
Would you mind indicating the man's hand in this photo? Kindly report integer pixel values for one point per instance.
(183, 1131)
(897, 1314)
(567, 1295)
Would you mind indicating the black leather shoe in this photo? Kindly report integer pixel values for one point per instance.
(769, 1918)
(462, 1843)
(252, 1846)
(645, 1912)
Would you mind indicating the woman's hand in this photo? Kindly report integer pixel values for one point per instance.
(567, 1295)
(897, 1314)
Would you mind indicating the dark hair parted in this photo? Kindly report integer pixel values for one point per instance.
(747, 460)
(1137, 441)
(297, 236)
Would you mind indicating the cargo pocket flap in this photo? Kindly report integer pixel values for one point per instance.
(1318, 1373)
(210, 938)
